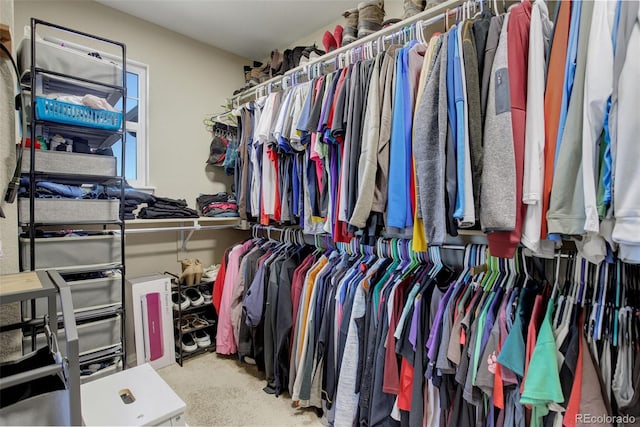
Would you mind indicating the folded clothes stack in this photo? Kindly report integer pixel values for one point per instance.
(132, 197)
(221, 205)
(51, 190)
(163, 207)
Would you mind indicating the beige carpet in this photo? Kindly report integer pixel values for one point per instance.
(220, 391)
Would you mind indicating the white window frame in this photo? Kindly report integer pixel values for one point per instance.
(142, 127)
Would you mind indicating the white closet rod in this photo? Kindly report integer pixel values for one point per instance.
(429, 17)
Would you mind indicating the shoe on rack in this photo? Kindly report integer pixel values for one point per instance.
(198, 322)
(184, 263)
(202, 338)
(276, 63)
(412, 7)
(337, 34)
(210, 317)
(310, 53)
(188, 275)
(194, 296)
(180, 301)
(329, 41)
(189, 344)
(350, 29)
(183, 324)
(205, 290)
(211, 273)
(198, 271)
(370, 17)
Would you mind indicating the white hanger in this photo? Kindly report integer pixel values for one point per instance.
(556, 278)
(420, 33)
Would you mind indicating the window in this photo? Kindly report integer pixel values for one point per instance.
(136, 157)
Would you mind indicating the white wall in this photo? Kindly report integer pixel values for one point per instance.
(8, 225)
(10, 342)
(187, 81)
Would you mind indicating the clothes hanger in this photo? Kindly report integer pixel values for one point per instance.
(466, 259)
(600, 299)
(514, 270)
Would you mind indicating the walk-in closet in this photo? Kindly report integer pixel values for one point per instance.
(404, 213)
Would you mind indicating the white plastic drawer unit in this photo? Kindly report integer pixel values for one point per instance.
(61, 162)
(69, 211)
(67, 253)
(91, 336)
(86, 294)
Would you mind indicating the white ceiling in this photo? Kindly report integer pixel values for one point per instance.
(249, 28)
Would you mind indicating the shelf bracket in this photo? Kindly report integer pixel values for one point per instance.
(184, 240)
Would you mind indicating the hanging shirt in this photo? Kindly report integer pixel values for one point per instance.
(498, 197)
(598, 89)
(570, 71)
(553, 100)
(368, 161)
(419, 240)
(459, 134)
(626, 171)
(398, 209)
(504, 244)
(533, 178)
(225, 342)
(473, 81)
(468, 208)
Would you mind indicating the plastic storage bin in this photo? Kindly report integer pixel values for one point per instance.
(67, 253)
(80, 115)
(91, 336)
(86, 294)
(70, 211)
(69, 164)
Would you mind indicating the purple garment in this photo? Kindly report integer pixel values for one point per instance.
(415, 321)
(490, 320)
(491, 415)
(253, 300)
(437, 324)
(334, 152)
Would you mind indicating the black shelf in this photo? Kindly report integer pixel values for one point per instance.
(184, 287)
(76, 179)
(122, 89)
(178, 315)
(96, 137)
(82, 128)
(192, 309)
(201, 350)
(58, 223)
(41, 82)
(190, 330)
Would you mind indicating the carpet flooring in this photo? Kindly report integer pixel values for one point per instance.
(220, 391)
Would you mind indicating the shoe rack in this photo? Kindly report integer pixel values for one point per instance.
(194, 319)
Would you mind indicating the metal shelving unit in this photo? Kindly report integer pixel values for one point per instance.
(179, 314)
(38, 82)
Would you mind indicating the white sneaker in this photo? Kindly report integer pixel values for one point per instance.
(180, 301)
(202, 338)
(188, 343)
(211, 273)
(194, 296)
